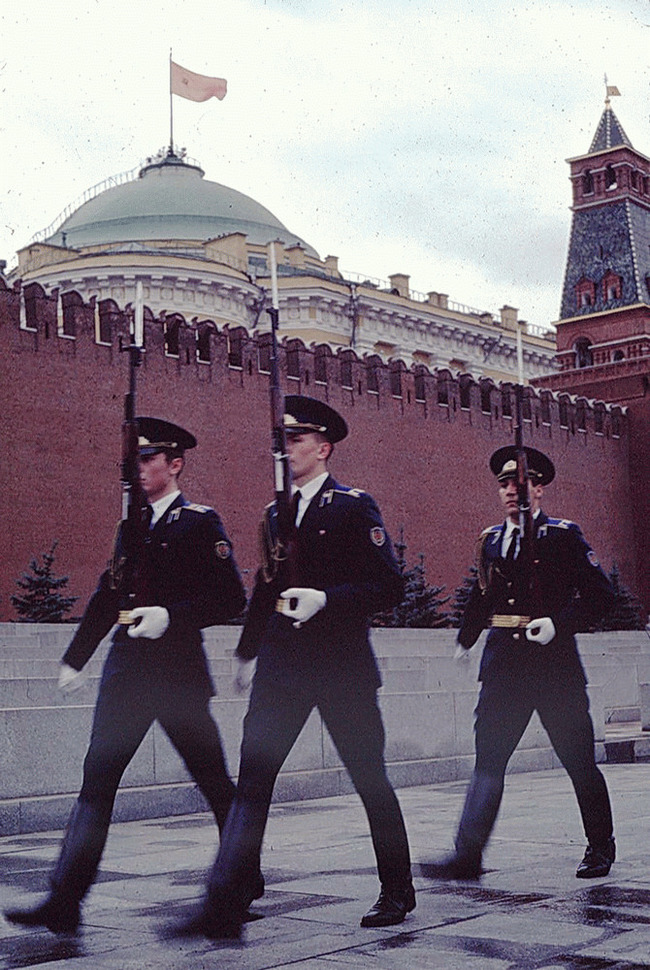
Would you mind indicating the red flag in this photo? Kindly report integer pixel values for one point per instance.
(196, 87)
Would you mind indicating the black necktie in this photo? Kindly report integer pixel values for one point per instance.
(147, 515)
(512, 548)
(295, 499)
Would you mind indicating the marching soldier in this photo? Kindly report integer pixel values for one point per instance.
(531, 662)
(156, 668)
(312, 649)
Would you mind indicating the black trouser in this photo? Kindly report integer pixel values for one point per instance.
(506, 703)
(126, 708)
(277, 713)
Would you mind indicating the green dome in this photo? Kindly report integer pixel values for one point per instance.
(170, 199)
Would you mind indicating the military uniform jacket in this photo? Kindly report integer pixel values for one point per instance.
(569, 586)
(190, 570)
(342, 549)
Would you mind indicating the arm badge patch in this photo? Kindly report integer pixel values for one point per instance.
(378, 535)
(222, 549)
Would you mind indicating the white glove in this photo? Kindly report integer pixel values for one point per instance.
(244, 674)
(70, 679)
(309, 602)
(541, 630)
(461, 655)
(154, 620)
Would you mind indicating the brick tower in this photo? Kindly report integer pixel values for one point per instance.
(603, 336)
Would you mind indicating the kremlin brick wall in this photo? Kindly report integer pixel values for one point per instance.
(419, 441)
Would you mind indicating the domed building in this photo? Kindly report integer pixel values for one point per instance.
(201, 251)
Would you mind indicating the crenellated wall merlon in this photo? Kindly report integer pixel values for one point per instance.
(205, 342)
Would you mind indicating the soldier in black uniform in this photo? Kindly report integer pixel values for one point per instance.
(312, 650)
(531, 662)
(156, 668)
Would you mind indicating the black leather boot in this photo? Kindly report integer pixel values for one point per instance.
(392, 907)
(597, 860)
(481, 808)
(73, 874)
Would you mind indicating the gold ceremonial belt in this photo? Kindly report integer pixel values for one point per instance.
(509, 620)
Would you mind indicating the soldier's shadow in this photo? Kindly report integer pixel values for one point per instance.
(38, 949)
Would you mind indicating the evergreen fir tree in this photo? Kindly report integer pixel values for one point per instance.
(627, 612)
(461, 596)
(42, 601)
(422, 604)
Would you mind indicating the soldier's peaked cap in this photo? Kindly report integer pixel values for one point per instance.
(156, 435)
(307, 415)
(503, 464)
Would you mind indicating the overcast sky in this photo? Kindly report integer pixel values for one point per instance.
(402, 136)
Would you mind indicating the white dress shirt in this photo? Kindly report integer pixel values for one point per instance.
(161, 505)
(307, 493)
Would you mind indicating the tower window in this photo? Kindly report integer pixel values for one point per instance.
(585, 293)
(582, 349)
(587, 183)
(611, 287)
(610, 178)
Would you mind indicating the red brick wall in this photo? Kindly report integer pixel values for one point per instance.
(425, 463)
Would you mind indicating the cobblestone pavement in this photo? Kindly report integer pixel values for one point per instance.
(528, 911)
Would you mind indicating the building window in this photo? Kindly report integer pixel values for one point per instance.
(506, 403)
(293, 363)
(420, 387)
(372, 376)
(619, 355)
(610, 178)
(486, 397)
(203, 353)
(587, 183)
(545, 402)
(465, 394)
(320, 365)
(395, 380)
(346, 372)
(30, 296)
(235, 351)
(442, 392)
(104, 314)
(599, 419)
(583, 353)
(564, 413)
(581, 416)
(172, 337)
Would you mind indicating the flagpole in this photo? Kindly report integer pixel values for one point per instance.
(171, 107)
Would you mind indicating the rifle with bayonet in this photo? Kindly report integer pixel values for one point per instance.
(527, 562)
(134, 528)
(280, 558)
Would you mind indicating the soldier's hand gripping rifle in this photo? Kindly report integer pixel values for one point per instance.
(134, 529)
